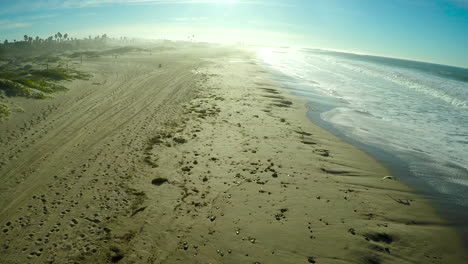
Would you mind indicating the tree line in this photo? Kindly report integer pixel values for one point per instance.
(57, 43)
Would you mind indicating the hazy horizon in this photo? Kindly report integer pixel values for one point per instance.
(435, 32)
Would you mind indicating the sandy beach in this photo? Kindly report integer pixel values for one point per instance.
(194, 155)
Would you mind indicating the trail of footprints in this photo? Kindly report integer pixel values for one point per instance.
(50, 223)
(204, 192)
(51, 211)
(105, 198)
(196, 166)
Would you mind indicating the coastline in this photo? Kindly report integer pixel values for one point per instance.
(316, 104)
(212, 162)
(455, 214)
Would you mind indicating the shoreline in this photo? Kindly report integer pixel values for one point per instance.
(455, 214)
(204, 160)
(240, 90)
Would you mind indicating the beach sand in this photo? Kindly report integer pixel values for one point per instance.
(204, 160)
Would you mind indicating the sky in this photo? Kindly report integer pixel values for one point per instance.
(424, 30)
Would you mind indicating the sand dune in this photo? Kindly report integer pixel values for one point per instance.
(204, 160)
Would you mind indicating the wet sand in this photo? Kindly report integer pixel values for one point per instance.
(204, 160)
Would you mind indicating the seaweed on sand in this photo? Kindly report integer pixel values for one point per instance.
(4, 111)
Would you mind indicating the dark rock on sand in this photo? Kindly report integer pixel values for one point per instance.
(159, 181)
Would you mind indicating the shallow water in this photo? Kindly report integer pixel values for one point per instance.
(416, 112)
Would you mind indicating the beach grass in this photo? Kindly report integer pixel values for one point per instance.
(45, 58)
(37, 83)
(97, 54)
(41, 85)
(52, 74)
(20, 79)
(12, 88)
(88, 54)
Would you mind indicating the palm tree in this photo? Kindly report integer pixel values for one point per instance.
(25, 38)
(59, 35)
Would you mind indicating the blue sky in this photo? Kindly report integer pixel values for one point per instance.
(426, 30)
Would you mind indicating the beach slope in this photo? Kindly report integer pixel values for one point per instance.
(201, 160)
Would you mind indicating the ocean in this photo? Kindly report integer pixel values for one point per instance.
(412, 116)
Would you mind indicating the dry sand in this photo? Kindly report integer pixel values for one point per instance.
(204, 160)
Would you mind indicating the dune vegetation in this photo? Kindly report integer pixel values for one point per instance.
(36, 83)
(37, 68)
